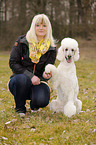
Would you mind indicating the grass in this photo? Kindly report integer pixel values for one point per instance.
(44, 127)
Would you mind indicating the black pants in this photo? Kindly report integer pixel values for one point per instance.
(22, 89)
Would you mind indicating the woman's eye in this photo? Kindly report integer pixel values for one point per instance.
(37, 25)
(72, 49)
(66, 49)
(44, 26)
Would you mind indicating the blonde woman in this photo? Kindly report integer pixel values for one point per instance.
(29, 56)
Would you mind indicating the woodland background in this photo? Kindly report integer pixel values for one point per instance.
(72, 18)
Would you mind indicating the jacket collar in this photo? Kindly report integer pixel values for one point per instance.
(23, 40)
(52, 48)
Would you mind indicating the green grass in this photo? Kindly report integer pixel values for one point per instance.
(44, 127)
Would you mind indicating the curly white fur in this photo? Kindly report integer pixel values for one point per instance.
(64, 79)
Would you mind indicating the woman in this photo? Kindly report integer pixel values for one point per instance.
(29, 56)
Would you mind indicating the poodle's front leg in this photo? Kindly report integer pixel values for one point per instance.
(70, 108)
(77, 102)
(71, 95)
(53, 70)
(78, 105)
(56, 106)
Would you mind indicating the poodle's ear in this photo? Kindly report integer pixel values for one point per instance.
(60, 54)
(76, 56)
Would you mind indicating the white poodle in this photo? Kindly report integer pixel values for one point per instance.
(64, 79)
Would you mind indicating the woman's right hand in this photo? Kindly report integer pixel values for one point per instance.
(35, 80)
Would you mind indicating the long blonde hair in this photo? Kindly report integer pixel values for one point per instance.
(31, 33)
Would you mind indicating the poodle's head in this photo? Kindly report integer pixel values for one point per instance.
(68, 50)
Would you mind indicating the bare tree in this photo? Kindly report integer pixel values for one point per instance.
(71, 16)
(22, 16)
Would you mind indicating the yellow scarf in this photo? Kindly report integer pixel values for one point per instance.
(38, 49)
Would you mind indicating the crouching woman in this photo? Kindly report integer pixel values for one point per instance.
(29, 56)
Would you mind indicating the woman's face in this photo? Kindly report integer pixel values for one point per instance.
(41, 30)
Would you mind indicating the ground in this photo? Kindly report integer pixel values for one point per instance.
(45, 127)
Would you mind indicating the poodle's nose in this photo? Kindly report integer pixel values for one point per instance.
(69, 56)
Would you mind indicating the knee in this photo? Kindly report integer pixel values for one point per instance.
(19, 80)
(44, 100)
(45, 95)
(42, 95)
(11, 84)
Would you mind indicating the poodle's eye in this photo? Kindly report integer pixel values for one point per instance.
(66, 49)
(72, 50)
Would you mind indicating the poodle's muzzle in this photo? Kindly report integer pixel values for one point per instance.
(68, 58)
(69, 53)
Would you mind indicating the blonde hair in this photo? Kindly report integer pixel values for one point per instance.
(37, 19)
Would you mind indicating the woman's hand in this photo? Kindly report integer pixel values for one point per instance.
(35, 80)
(46, 76)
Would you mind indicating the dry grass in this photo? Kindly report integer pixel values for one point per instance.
(44, 127)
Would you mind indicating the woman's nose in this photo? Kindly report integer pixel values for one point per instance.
(41, 26)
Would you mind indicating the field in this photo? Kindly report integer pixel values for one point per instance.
(45, 127)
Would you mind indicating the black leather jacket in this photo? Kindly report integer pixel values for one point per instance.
(20, 63)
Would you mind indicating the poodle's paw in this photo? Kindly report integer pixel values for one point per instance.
(78, 105)
(49, 68)
(55, 106)
(69, 109)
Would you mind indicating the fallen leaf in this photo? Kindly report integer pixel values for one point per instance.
(26, 126)
(67, 137)
(34, 143)
(0, 82)
(47, 119)
(5, 127)
(87, 110)
(94, 130)
(4, 138)
(51, 138)
(14, 135)
(64, 131)
(14, 120)
(33, 129)
(87, 121)
(87, 96)
(90, 130)
(76, 120)
(86, 92)
(8, 122)
(82, 111)
(93, 111)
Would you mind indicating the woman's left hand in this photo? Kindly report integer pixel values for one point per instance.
(46, 76)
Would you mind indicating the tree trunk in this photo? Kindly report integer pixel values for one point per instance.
(71, 16)
(22, 16)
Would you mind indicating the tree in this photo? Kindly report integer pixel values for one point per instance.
(22, 16)
(1, 17)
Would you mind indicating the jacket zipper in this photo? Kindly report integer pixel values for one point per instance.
(34, 69)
